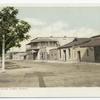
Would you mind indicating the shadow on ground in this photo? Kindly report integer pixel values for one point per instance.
(40, 76)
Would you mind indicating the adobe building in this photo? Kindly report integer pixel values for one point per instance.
(75, 52)
(95, 45)
(16, 55)
(39, 48)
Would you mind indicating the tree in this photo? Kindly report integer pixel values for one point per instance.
(12, 30)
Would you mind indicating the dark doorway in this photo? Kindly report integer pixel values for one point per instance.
(97, 53)
(25, 57)
(79, 55)
(34, 56)
(64, 55)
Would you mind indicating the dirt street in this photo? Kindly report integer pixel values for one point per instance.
(40, 74)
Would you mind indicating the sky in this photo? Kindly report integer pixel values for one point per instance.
(60, 21)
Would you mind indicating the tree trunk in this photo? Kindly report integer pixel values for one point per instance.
(3, 53)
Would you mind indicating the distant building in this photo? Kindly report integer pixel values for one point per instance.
(16, 55)
(38, 48)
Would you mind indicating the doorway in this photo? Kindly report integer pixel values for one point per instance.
(97, 53)
(79, 55)
(34, 56)
(64, 55)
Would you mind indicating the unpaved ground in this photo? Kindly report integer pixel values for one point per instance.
(39, 74)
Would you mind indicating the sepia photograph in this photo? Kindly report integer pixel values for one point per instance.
(49, 46)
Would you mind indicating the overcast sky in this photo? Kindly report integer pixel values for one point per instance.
(61, 21)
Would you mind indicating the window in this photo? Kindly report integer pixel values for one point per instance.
(87, 52)
(69, 52)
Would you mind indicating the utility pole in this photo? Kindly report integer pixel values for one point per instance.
(3, 53)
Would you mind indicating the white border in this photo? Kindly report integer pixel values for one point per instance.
(51, 5)
(50, 92)
(48, 1)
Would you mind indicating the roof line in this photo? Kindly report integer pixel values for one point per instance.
(54, 37)
(72, 42)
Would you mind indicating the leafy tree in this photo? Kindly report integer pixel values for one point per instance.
(14, 29)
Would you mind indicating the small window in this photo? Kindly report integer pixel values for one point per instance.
(64, 51)
(87, 52)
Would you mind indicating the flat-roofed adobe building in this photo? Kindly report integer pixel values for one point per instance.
(38, 48)
(74, 52)
(95, 45)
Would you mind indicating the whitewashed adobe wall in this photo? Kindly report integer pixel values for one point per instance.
(74, 55)
(87, 58)
(18, 56)
(54, 54)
